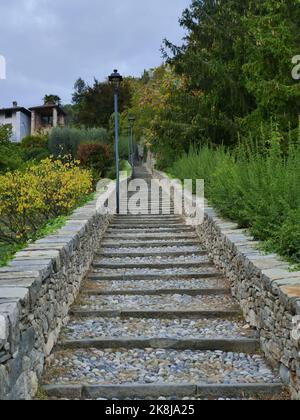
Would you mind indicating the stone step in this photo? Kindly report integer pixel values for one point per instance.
(156, 314)
(148, 212)
(157, 366)
(147, 225)
(178, 301)
(167, 390)
(150, 218)
(147, 292)
(144, 244)
(148, 286)
(137, 275)
(243, 345)
(151, 210)
(150, 252)
(147, 219)
(145, 201)
(90, 328)
(143, 230)
(153, 264)
(179, 237)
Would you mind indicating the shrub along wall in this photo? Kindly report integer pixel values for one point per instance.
(36, 291)
(30, 198)
(256, 185)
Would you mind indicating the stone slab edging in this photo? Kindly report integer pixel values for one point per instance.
(267, 291)
(155, 391)
(37, 289)
(238, 345)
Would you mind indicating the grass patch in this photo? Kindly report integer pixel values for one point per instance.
(7, 251)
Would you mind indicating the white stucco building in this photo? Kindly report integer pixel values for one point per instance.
(20, 120)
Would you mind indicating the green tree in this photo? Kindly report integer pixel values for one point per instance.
(80, 88)
(272, 41)
(52, 99)
(96, 103)
(236, 60)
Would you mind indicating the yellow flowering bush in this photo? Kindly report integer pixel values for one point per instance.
(30, 198)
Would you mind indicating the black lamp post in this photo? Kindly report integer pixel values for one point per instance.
(116, 79)
(131, 120)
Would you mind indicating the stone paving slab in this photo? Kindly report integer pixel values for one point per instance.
(245, 345)
(157, 314)
(170, 392)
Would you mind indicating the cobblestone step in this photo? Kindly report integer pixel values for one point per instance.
(180, 285)
(130, 253)
(153, 274)
(166, 236)
(146, 224)
(157, 366)
(156, 302)
(132, 220)
(152, 230)
(151, 252)
(90, 328)
(143, 243)
(151, 263)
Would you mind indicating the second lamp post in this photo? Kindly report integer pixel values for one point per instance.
(116, 79)
(131, 120)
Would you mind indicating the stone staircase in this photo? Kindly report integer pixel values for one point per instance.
(156, 320)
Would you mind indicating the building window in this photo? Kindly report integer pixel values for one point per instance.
(47, 120)
(8, 115)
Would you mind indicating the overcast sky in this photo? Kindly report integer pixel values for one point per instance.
(48, 44)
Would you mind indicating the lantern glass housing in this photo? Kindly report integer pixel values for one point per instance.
(115, 79)
(131, 120)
